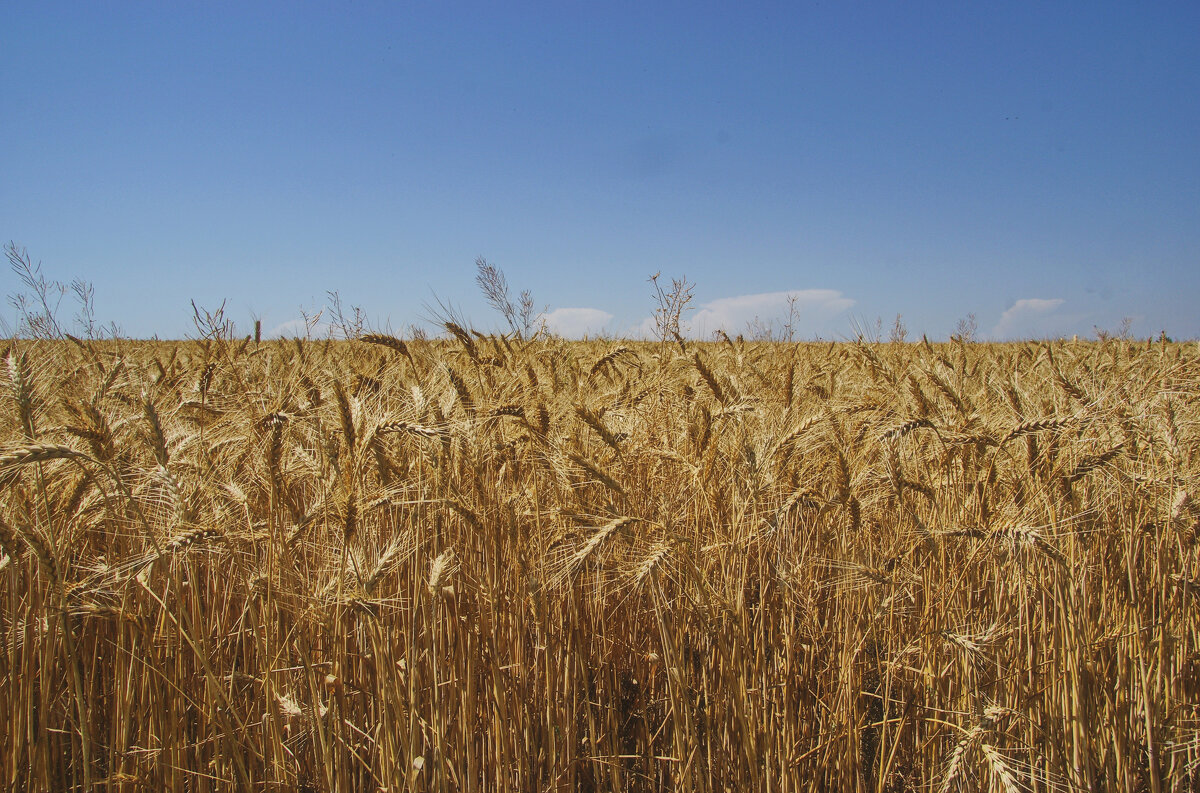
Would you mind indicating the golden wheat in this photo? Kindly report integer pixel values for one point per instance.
(483, 563)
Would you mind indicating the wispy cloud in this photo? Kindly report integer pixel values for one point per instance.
(575, 322)
(813, 311)
(1029, 316)
(298, 327)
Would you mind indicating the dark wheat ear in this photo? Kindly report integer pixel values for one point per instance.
(384, 340)
(460, 388)
(41, 549)
(157, 438)
(709, 378)
(899, 432)
(346, 416)
(186, 539)
(39, 453)
(606, 360)
(9, 546)
(20, 381)
(597, 424)
(411, 428)
(1031, 427)
(464, 339)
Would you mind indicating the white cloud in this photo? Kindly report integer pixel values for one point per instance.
(643, 330)
(298, 327)
(575, 322)
(814, 308)
(1029, 316)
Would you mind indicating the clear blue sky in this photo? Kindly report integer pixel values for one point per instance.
(1035, 164)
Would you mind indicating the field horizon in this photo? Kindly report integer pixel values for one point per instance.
(490, 562)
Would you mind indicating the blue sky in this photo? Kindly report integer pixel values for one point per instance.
(1036, 165)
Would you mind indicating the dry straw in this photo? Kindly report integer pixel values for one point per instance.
(514, 564)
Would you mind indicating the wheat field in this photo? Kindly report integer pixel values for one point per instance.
(480, 563)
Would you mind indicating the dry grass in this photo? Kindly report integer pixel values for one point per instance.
(486, 564)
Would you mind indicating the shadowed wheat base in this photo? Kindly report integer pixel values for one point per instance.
(486, 564)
